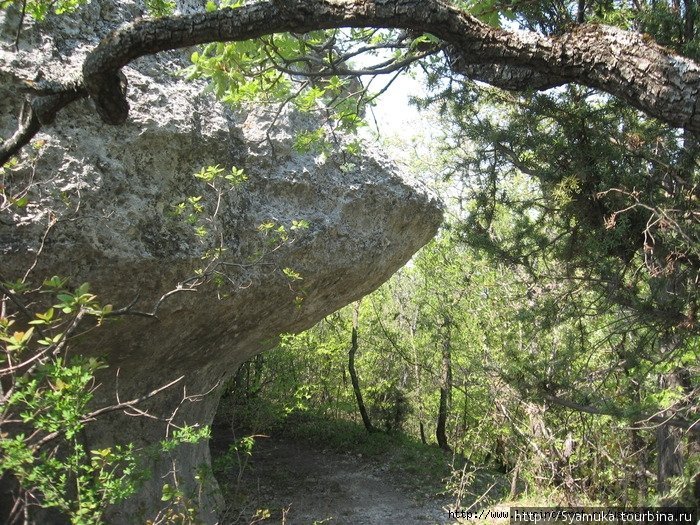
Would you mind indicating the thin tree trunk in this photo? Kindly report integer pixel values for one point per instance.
(688, 21)
(581, 12)
(694, 451)
(669, 460)
(258, 367)
(465, 413)
(514, 478)
(419, 382)
(353, 373)
(445, 388)
(638, 445)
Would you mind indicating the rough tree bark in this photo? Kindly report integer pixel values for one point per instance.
(625, 64)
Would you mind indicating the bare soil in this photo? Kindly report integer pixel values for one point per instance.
(303, 485)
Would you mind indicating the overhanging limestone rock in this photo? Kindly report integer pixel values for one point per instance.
(109, 193)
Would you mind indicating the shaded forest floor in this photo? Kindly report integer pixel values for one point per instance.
(345, 478)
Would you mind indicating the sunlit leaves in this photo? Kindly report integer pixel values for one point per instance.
(185, 434)
(307, 141)
(18, 340)
(49, 392)
(39, 9)
(236, 177)
(239, 72)
(491, 12)
(158, 8)
(56, 282)
(302, 224)
(291, 274)
(199, 211)
(212, 5)
(72, 301)
(209, 173)
(274, 232)
(312, 72)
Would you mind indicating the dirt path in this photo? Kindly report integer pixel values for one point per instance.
(319, 486)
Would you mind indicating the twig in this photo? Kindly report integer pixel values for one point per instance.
(92, 415)
(127, 310)
(22, 14)
(129, 404)
(478, 500)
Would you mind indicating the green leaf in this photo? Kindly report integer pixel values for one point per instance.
(291, 274)
(44, 318)
(55, 282)
(21, 202)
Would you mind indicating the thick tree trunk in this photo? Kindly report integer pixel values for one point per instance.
(353, 373)
(622, 63)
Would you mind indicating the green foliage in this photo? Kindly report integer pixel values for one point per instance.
(491, 12)
(671, 24)
(307, 141)
(200, 215)
(238, 71)
(313, 72)
(291, 274)
(47, 405)
(564, 190)
(545, 291)
(211, 5)
(563, 297)
(236, 456)
(51, 400)
(160, 8)
(185, 434)
(193, 209)
(39, 9)
(81, 484)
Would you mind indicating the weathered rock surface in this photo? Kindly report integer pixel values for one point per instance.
(109, 193)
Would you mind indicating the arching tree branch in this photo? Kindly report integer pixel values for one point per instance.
(624, 64)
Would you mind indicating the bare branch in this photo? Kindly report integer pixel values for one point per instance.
(129, 404)
(35, 113)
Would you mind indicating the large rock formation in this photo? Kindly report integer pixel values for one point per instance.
(110, 192)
